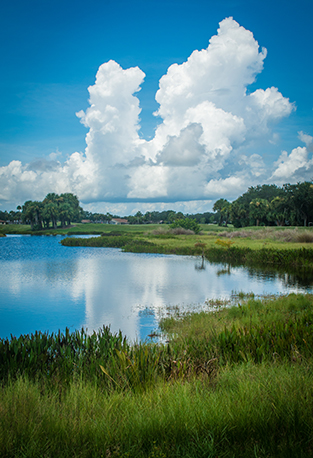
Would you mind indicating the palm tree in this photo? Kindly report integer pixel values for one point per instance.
(51, 212)
(223, 207)
(66, 213)
(259, 209)
(32, 213)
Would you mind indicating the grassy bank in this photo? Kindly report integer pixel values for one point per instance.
(286, 248)
(283, 247)
(232, 382)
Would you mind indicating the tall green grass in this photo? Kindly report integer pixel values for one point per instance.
(58, 358)
(262, 411)
(256, 331)
(232, 382)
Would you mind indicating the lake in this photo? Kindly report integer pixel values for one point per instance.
(46, 286)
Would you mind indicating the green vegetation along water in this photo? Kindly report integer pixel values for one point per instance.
(234, 382)
(286, 248)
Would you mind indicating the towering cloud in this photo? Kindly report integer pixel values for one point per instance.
(208, 118)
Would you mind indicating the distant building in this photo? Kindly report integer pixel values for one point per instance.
(2, 222)
(85, 221)
(118, 221)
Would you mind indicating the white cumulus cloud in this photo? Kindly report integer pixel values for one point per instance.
(207, 119)
(294, 167)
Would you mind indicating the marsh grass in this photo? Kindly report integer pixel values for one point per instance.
(284, 248)
(281, 247)
(249, 411)
(77, 228)
(305, 237)
(201, 395)
(257, 331)
(265, 255)
(295, 235)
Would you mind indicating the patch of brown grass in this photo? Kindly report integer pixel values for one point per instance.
(181, 231)
(284, 235)
(305, 237)
(175, 231)
(160, 231)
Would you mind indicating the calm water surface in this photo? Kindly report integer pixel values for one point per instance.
(45, 286)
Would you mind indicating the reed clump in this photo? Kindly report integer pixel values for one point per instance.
(57, 357)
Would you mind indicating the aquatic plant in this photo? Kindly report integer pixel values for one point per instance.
(57, 356)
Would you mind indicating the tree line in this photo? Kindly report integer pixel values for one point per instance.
(154, 217)
(269, 205)
(63, 208)
(266, 205)
(262, 205)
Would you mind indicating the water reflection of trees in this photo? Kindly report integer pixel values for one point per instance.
(303, 279)
(289, 278)
(225, 271)
(292, 277)
(200, 265)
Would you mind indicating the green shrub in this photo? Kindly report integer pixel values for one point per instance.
(187, 223)
(224, 243)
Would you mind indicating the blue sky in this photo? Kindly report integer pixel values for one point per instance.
(51, 52)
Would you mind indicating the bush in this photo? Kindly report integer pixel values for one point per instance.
(224, 243)
(187, 223)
